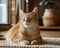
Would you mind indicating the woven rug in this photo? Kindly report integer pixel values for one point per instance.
(48, 43)
(4, 44)
(29, 46)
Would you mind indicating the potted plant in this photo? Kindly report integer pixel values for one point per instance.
(51, 16)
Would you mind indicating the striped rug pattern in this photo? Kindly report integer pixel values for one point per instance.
(32, 46)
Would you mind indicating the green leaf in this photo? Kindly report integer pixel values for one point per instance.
(48, 3)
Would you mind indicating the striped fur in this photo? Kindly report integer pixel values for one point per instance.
(25, 32)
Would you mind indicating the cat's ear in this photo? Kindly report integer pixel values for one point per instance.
(35, 10)
(21, 12)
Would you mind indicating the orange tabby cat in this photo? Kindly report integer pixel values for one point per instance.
(26, 31)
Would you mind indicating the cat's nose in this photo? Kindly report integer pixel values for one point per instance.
(27, 23)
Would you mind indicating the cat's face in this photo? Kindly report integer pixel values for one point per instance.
(29, 19)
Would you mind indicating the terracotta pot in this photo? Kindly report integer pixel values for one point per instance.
(50, 17)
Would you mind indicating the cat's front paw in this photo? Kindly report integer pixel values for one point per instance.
(24, 42)
(36, 42)
(33, 42)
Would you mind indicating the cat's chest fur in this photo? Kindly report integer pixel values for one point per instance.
(31, 31)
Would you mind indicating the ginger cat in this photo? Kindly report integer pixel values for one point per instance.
(26, 31)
